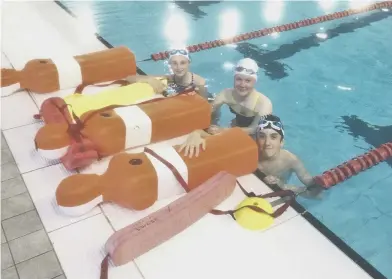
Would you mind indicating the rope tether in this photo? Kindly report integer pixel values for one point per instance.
(276, 29)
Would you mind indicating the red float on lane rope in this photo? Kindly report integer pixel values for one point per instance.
(350, 168)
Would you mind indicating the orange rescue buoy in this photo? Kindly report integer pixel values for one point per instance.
(138, 180)
(49, 75)
(113, 129)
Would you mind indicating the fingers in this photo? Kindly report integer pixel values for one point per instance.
(191, 151)
(181, 147)
(204, 144)
(197, 150)
(186, 150)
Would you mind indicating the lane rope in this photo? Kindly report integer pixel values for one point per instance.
(277, 29)
(354, 166)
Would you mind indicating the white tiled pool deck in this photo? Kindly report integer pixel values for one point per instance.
(39, 243)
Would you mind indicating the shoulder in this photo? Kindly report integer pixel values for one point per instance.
(224, 94)
(292, 160)
(169, 78)
(264, 104)
(198, 80)
(263, 99)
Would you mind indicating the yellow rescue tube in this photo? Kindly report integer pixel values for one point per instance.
(253, 220)
(125, 95)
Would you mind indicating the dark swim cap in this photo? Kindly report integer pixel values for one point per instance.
(271, 122)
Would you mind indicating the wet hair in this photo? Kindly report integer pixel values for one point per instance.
(271, 117)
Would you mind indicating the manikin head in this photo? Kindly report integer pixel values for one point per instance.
(179, 61)
(270, 136)
(245, 76)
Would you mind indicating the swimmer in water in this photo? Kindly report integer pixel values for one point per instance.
(181, 79)
(244, 100)
(276, 163)
(279, 164)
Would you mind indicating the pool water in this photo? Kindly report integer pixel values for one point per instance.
(333, 95)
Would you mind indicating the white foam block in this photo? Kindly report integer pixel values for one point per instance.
(80, 247)
(99, 167)
(215, 249)
(168, 184)
(21, 143)
(42, 185)
(17, 110)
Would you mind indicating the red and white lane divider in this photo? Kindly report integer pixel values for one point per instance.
(277, 29)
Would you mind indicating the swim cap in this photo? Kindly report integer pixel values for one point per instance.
(271, 122)
(247, 67)
(181, 52)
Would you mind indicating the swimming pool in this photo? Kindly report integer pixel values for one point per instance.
(334, 96)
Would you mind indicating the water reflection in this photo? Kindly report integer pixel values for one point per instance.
(229, 24)
(272, 11)
(193, 7)
(373, 134)
(176, 30)
(270, 60)
(266, 60)
(327, 5)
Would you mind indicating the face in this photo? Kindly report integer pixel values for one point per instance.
(179, 65)
(269, 142)
(244, 84)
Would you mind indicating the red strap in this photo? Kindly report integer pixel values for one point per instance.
(173, 169)
(105, 267)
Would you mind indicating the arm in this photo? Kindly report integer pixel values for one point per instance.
(251, 129)
(201, 87)
(301, 172)
(141, 78)
(219, 100)
(154, 81)
(264, 106)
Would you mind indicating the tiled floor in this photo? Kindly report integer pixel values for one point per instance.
(26, 251)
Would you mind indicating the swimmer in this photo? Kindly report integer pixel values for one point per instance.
(181, 79)
(279, 164)
(276, 163)
(244, 100)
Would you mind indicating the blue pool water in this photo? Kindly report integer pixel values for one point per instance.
(334, 96)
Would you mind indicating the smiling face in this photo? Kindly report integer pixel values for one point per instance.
(179, 64)
(244, 84)
(269, 142)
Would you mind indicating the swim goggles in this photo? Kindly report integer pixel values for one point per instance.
(179, 51)
(276, 125)
(245, 70)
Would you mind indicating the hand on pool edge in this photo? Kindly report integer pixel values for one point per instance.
(192, 145)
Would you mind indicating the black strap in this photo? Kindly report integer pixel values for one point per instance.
(283, 194)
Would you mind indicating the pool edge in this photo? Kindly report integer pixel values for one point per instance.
(331, 236)
(99, 37)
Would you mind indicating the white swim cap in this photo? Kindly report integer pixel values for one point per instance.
(181, 52)
(247, 67)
